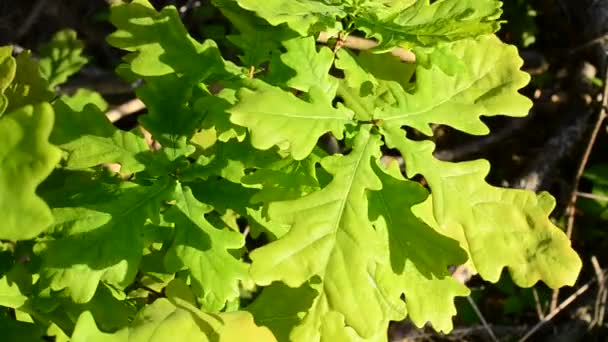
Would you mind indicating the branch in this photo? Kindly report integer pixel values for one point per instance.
(358, 43)
(560, 307)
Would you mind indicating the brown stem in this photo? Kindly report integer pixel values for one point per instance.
(571, 211)
(358, 43)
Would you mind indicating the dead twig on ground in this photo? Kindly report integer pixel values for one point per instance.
(600, 300)
(482, 319)
(539, 309)
(560, 307)
(571, 210)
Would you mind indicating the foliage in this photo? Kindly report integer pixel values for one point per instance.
(343, 245)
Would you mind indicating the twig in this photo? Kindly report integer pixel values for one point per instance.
(592, 196)
(541, 170)
(482, 319)
(598, 40)
(539, 308)
(127, 108)
(559, 308)
(461, 334)
(583, 164)
(358, 43)
(31, 19)
(600, 301)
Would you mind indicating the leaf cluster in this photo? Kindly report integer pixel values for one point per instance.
(239, 218)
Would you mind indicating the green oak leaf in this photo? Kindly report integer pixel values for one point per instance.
(229, 160)
(332, 240)
(203, 251)
(489, 87)
(312, 67)
(10, 294)
(372, 81)
(289, 122)
(498, 227)
(427, 24)
(13, 330)
(26, 159)
(84, 132)
(301, 15)
(419, 255)
(286, 179)
(256, 38)
(175, 319)
(170, 118)
(98, 231)
(61, 57)
(216, 119)
(8, 68)
(112, 313)
(28, 87)
(373, 67)
(159, 42)
(281, 316)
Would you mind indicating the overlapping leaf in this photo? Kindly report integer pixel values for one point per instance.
(331, 238)
(97, 231)
(419, 255)
(61, 57)
(312, 67)
(160, 43)
(425, 23)
(176, 319)
(282, 316)
(28, 87)
(490, 221)
(84, 132)
(301, 15)
(170, 94)
(277, 117)
(204, 251)
(488, 86)
(8, 67)
(26, 159)
(256, 38)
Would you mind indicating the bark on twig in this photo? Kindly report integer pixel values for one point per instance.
(127, 108)
(559, 308)
(358, 43)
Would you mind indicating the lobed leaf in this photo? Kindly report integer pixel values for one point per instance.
(8, 68)
(487, 85)
(312, 67)
(427, 23)
(300, 15)
(202, 250)
(159, 42)
(61, 57)
(419, 255)
(176, 319)
(331, 239)
(498, 227)
(98, 232)
(26, 159)
(84, 132)
(28, 87)
(289, 122)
